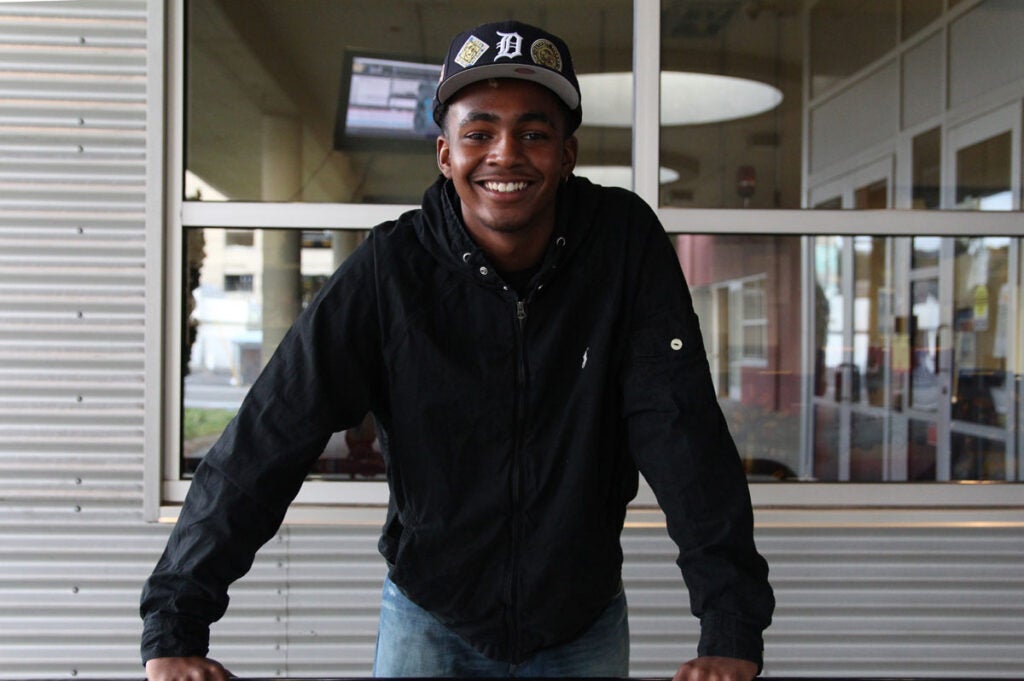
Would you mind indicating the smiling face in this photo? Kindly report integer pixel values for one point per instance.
(505, 149)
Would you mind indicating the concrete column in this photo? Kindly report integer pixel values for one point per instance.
(281, 177)
(343, 242)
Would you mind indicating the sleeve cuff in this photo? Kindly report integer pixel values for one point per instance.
(730, 636)
(172, 636)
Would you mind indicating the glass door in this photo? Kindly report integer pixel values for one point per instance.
(981, 395)
(853, 315)
(922, 361)
(986, 165)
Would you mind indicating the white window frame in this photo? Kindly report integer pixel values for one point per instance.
(749, 321)
(342, 501)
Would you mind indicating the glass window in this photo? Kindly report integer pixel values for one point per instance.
(866, 30)
(872, 84)
(916, 14)
(243, 292)
(323, 102)
(887, 389)
(874, 196)
(924, 389)
(983, 174)
(730, 93)
(927, 164)
(981, 392)
(855, 346)
(755, 320)
(892, 392)
(327, 101)
(742, 292)
(926, 252)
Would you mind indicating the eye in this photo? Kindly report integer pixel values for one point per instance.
(535, 136)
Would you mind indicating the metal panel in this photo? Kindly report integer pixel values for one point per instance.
(872, 601)
(73, 549)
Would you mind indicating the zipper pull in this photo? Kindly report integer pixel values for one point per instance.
(520, 310)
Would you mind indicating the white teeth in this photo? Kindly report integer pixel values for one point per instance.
(505, 187)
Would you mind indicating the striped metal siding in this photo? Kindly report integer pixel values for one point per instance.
(73, 94)
(920, 601)
(902, 602)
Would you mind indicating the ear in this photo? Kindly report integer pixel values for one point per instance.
(570, 148)
(443, 161)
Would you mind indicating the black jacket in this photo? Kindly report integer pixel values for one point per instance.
(513, 431)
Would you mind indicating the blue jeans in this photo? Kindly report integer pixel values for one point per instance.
(412, 642)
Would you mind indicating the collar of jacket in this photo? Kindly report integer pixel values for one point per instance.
(442, 214)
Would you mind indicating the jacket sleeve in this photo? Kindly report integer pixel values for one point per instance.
(320, 380)
(681, 443)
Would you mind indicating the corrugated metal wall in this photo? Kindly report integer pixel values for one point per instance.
(74, 548)
(856, 601)
(73, 92)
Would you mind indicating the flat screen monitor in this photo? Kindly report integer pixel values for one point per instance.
(386, 103)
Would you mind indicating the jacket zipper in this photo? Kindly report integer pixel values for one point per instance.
(520, 411)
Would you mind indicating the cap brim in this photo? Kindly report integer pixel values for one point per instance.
(552, 80)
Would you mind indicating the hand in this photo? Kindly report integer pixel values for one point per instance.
(716, 669)
(186, 669)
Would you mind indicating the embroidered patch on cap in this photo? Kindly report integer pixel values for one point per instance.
(471, 51)
(509, 46)
(545, 53)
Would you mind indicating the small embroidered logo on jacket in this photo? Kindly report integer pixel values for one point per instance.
(584, 365)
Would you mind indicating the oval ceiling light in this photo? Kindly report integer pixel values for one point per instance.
(620, 176)
(686, 98)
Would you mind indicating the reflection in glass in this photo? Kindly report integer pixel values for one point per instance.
(917, 14)
(828, 316)
(900, 392)
(872, 77)
(874, 196)
(925, 387)
(847, 36)
(267, 80)
(686, 98)
(927, 164)
(982, 319)
(244, 289)
(877, 375)
(921, 450)
(826, 442)
(263, 81)
(752, 329)
(926, 251)
(983, 174)
(872, 319)
(977, 458)
(867, 447)
(750, 162)
(875, 71)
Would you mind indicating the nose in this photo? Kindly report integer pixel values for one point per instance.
(506, 150)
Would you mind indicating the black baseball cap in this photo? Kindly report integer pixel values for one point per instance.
(510, 49)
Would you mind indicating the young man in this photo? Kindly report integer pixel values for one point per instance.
(527, 343)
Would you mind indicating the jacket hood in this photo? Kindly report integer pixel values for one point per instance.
(440, 228)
